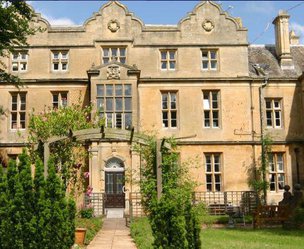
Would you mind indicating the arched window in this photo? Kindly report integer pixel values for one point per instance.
(114, 164)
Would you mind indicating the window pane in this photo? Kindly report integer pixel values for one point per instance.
(100, 90)
(22, 66)
(106, 52)
(128, 90)
(280, 163)
(15, 66)
(214, 100)
(173, 119)
(208, 163)
(123, 60)
(213, 55)
(55, 55)
(164, 65)
(64, 66)
(55, 66)
(213, 64)
(118, 104)
(165, 119)
(268, 104)
(173, 101)
(205, 64)
(105, 60)
(22, 120)
(272, 182)
(14, 102)
(109, 104)
(23, 101)
(172, 55)
(165, 101)
(128, 120)
(64, 99)
(276, 104)
(207, 118)
(15, 56)
(281, 181)
(100, 104)
(128, 104)
(163, 55)
(172, 64)
(109, 90)
(205, 55)
(118, 120)
(14, 120)
(109, 119)
(64, 55)
(122, 52)
(269, 118)
(118, 90)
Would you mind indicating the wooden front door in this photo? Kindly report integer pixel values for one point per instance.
(115, 197)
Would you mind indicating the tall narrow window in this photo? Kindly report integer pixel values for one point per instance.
(168, 59)
(114, 53)
(60, 60)
(276, 171)
(213, 172)
(19, 61)
(169, 109)
(18, 111)
(273, 113)
(114, 103)
(60, 99)
(209, 60)
(211, 109)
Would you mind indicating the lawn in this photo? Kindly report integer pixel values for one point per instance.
(93, 225)
(271, 238)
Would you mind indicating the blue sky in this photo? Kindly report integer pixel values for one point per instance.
(257, 16)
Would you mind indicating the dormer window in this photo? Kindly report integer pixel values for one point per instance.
(114, 53)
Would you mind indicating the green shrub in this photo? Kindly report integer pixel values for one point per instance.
(86, 212)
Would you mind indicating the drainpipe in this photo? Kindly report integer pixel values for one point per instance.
(262, 104)
(252, 127)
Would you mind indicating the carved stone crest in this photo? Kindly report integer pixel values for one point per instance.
(113, 25)
(208, 25)
(113, 73)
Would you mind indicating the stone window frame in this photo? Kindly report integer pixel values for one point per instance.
(20, 60)
(167, 60)
(60, 58)
(62, 100)
(274, 113)
(207, 61)
(116, 118)
(110, 57)
(213, 171)
(168, 110)
(211, 108)
(18, 111)
(276, 171)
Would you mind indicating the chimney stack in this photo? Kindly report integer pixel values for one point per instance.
(281, 24)
(294, 39)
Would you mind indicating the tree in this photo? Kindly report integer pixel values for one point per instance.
(173, 218)
(15, 17)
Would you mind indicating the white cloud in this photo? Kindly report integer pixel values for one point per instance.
(61, 21)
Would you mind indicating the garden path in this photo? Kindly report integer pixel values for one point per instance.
(113, 235)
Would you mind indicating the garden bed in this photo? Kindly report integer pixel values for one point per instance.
(93, 225)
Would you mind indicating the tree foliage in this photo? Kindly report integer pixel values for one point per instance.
(173, 218)
(34, 213)
(15, 27)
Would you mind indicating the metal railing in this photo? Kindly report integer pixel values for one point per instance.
(216, 202)
(96, 201)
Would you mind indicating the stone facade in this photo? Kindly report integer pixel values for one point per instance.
(199, 80)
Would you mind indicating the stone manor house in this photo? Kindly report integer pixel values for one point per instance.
(200, 81)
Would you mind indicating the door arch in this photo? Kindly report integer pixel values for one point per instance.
(114, 183)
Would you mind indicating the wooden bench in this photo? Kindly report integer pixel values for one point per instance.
(270, 214)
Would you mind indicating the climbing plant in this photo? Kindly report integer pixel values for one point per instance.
(69, 155)
(258, 173)
(173, 219)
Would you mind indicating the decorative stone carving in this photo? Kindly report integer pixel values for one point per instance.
(113, 25)
(208, 25)
(113, 73)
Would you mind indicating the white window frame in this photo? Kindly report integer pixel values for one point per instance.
(209, 60)
(167, 59)
(169, 107)
(213, 169)
(20, 59)
(211, 107)
(276, 161)
(60, 60)
(18, 109)
(272, 111)
(120, 57)
(60, 102)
